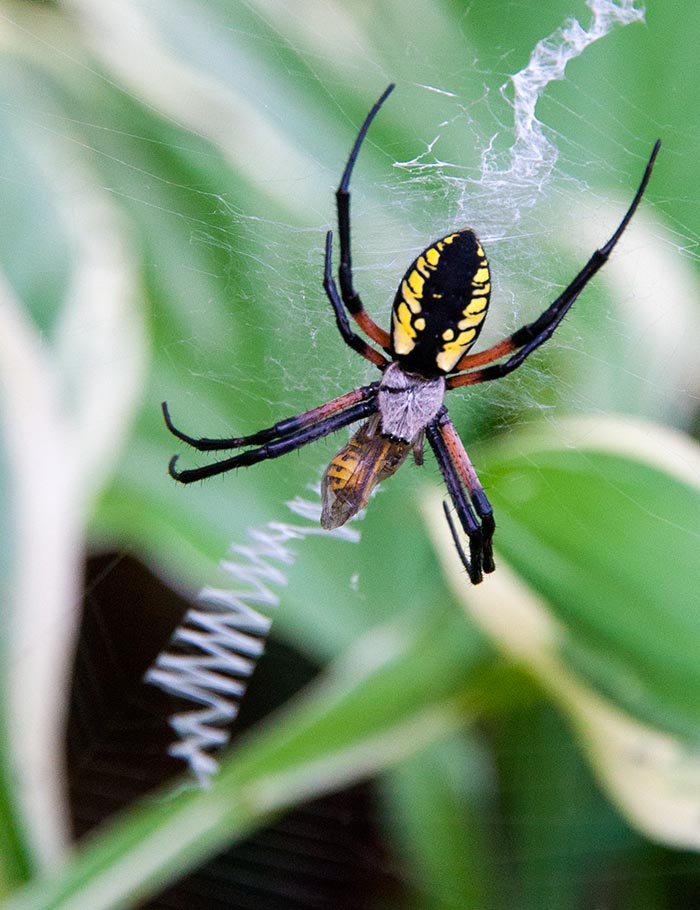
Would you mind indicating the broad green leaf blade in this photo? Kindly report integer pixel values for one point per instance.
(596, 591)
(560, 823)
(394, 692)
(434, 804)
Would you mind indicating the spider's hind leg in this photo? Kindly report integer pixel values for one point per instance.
(473, 508)
(305, 432)
(282, 429)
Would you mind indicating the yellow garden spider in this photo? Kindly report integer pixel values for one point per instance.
(437, 315)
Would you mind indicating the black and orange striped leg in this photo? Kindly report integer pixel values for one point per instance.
(349, 295)
(306, 431)
(476, 518)
(283, 428)
(528, 338)
(460, 459)
(349, 337)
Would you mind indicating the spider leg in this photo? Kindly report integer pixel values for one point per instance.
(468, 476)
(349, 337)
(283, 428)
(526, 339)
(350, 297)
(304, 434)
(466, 560)
(459, 476)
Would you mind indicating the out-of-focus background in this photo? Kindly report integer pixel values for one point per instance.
(167, 177)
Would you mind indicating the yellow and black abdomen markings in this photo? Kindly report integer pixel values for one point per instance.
(440, 305)
(365, 460)
(344, 465)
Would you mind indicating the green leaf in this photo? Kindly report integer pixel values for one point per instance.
(434, 807)
(596, 592)
(397, 690)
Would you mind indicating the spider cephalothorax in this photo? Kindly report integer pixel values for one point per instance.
(437, 315)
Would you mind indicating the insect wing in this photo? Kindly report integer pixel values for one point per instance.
(367, 459)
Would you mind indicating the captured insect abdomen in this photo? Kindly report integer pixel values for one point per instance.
(441, 304)
(364, 461)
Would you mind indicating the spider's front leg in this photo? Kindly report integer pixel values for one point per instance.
(518, 346)
(349, 337)
(350, 297)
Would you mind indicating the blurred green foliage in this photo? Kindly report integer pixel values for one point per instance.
(168, 178)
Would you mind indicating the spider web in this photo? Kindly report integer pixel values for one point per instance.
(532, 194)
(486, 153)
(487, 159)
(511, 183)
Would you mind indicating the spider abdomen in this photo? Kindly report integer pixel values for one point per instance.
(440, 305)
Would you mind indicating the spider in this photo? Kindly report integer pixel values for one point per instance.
(437, 315)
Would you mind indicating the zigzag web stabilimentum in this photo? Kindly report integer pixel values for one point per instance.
(214, 651)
